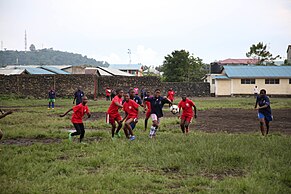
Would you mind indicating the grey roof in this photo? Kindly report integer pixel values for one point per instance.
(114, 72)
(126, 66)
(54, 70)
(258, 71)
(4, 71)
(31, 70)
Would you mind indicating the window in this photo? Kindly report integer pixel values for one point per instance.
(248, 81)
(289, 81)
(213, 81)
(272, 81)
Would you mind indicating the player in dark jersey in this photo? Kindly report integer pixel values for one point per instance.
(264, 111)
(78, 96)
(157, 103)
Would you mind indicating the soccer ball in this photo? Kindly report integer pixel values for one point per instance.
(174, 109)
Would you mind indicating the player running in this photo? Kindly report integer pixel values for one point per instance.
(186, 104)
(157, 103)
(171, 94)
(113, 114)
(264, 111)
(147, 109)
(130, 108)
(77, 118)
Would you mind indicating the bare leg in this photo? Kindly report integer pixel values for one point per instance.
(267, 126)
(187, 127)
(262, 123)
(182, 125)
(146, 123)
(113, 126)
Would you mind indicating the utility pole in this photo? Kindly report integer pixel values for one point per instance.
(129, 54)
(25, 41)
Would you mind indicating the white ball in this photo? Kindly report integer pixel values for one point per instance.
(174, 109)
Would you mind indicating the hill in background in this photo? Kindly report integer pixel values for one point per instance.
(46, 57)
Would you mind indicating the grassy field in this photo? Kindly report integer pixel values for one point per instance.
(172, 163)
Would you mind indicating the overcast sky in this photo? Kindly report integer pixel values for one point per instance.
(151, 29)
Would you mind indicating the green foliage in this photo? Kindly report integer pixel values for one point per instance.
(286, 63)
(32, 47)
(180, 66)
(259, 51)
(46, 57)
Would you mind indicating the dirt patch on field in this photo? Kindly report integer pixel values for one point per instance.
(30, 141)
(220, 175)
(230, 120)
(240, 120)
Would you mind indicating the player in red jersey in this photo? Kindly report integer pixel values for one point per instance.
(147, 109)
(171, 94)
(130, 108)
(113, 114)
(187, 115)
(77, 118)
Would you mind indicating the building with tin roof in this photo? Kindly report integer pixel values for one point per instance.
(241, 80)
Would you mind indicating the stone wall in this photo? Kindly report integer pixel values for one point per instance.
(65, 85)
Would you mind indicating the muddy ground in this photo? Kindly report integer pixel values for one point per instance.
(231, 120)
(214, 120)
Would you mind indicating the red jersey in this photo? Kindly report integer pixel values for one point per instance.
(171, 94)
(79, 111)
(131, 108)
(187, 107)
(113, 108)
(108, 92)
(148, 104)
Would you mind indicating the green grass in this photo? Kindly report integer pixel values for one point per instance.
(171, 163)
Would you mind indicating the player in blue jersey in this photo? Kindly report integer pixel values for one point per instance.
(157, 103)
(264, 111)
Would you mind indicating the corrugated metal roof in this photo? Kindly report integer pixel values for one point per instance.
(115, 72)
(126, 66)
(30, 70)
(54, 70)
(4, 71)
(221, 77)
(258, 71)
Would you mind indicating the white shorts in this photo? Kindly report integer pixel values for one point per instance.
(155, 118)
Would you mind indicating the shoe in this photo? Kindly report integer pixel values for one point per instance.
(70, 137)
(113, 138)
(118, 134)
(48, 108)
(83, 143)
(132, 138)
(53, 108)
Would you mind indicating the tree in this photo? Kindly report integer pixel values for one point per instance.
(180, 66)
(32, 47)
(259, 51)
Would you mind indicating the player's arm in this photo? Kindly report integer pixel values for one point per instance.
(195, 111)
(117, 104)
(5, 114)
(260, 107)
(256, 104)
(75, 96)
(140, 102)
(124, 117)
(66, 113)
(166, 100)
(89, 114)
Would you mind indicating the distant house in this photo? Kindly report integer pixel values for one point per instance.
(33, 69)
(105, 71)
(240, 80)
(74, 69)
(134, 69)
(289, 54)
(238, 62)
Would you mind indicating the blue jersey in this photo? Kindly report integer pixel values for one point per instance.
(136, 99)
(264, 100)
(52, 94)
(157, 104)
